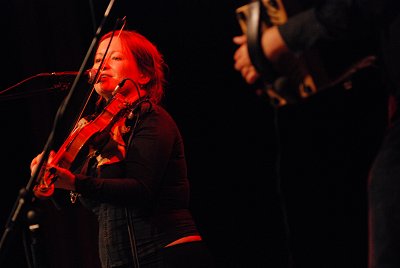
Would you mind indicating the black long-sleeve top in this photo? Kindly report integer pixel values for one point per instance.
(154, 169)
(150, 182)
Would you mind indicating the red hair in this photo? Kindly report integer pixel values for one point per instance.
(149, 60)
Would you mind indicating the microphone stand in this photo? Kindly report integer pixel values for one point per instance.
(25, 196)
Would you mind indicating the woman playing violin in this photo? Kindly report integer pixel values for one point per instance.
(136, 181)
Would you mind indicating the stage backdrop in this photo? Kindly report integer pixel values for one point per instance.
(231, 137)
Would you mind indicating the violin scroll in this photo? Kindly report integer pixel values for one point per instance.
(43, 191)
(45, 188)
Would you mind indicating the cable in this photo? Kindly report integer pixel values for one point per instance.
(279, 190)
(132, 239)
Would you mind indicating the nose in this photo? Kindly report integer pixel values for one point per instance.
(103, 64)
(106, 63)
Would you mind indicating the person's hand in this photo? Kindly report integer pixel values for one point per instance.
(65, 179)
(35, 161)
(242, 60)
(273, 46)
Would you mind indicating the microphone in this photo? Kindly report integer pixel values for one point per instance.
(63, 79)
(120, 84)
(90, 74)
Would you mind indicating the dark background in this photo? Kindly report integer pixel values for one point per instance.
(231, 137)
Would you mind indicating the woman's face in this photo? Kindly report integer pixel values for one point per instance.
(118, 65)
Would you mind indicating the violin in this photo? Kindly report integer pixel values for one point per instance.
(81, 137)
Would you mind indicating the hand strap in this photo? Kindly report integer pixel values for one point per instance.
(257, 14)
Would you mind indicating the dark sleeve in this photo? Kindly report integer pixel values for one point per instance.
(302, 30)
(138, 178)
(335, 20)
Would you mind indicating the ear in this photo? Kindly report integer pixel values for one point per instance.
(143, 79)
